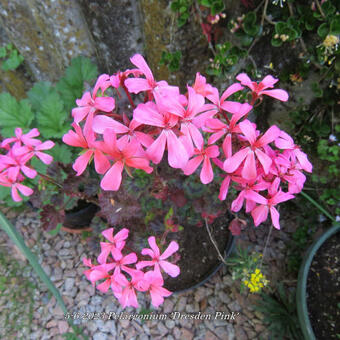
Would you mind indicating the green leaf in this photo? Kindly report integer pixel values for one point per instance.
(246, 40)
(205, 3)
(51, 118)
(71, 86)
(217, 7)
(3, 52)
(17, 239)
(276, 42)
(55, 231)
(281, 27)
(14, 114)
(14, 61)
(38, 94)
(323, 30)
(335, 25)
(328, 8)
(317, 90)
(61, 153)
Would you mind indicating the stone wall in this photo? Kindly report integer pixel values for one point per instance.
(49, 33)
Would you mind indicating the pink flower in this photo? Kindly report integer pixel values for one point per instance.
(136, 85)
(86, 141)
(90, 104)
(286, 142)
(207, 174)
(26, 139)
(156, 289)
(115, 245)
(15, 186)
(201, 86)
(150, 114)
(276, 196)
(260, 89)
(248, 154)
(158, 260)
(124, 154)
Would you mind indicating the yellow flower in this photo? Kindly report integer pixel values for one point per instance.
(256, 281)
(330, 41)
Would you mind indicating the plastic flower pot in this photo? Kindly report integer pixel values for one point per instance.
(228, 249)
(301, 297)
(78, 219)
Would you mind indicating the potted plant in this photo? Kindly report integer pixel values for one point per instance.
(147, 141)
(317, 299)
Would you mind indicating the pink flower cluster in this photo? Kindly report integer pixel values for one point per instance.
(14, 165)
(200, 128)
(114, 271)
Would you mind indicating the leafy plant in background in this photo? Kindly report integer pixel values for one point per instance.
(280, 315)
(47, 108)
(10, 58)
(171, 60)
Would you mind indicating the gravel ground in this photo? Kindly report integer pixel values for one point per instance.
(61, 258)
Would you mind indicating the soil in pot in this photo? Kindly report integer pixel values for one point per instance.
(199, 257)
(323, 290)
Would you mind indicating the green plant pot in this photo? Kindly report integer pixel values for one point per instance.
(301, 296)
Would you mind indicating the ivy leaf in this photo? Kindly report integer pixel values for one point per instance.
(3, 52)
(71, 86)
(14, 114)
(51, 118)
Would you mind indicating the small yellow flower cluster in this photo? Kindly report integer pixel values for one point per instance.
(283, 37)
(330, 41)
(257, 281)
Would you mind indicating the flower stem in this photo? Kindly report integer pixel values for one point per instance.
(49, 179)
(214, 243)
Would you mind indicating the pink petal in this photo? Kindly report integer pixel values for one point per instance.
(148, 114)
(249, 168)
(113, 178)
(129, 259)
(101, 122)
(269, 81)
(30, 173)
(270, 135)
(192, 165)
(172, 248)
(45, 146)
(156, 149)
(25, 190)
(237, 204)
(275, 217)
(248, 130)
(264, 159)
(44, 157)
(15, 195)
(169, 268)
(232, 163)
(177, 154)
(82, 161)
(136, 85)
(153, 245)
(106, 104)
(303, 160)
(224, 188)
(256, 197)
(101, 163)
(207, 174)
(231, 90)
(277, 94)
(245, 80)
(108, 234)
(140, 62)
(259, 214)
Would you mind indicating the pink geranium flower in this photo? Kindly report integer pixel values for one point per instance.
(203, 155)
(275, 196)
(155, 115)
(124, 154)
(91, 103)
(15, 187)
(86, 140)
(261, 89)
(248, 154)
(20, 137)
(156, 289)
(158, 259)
(114, 246)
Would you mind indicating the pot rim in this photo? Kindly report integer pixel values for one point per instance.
(227, 250)
(301, 294)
